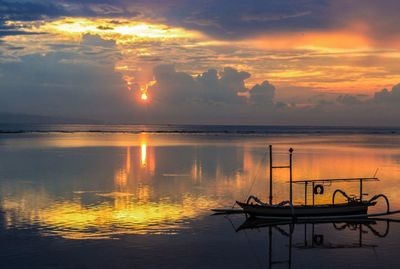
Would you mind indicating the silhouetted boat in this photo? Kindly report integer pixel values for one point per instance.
(354, 207)
(344, 209)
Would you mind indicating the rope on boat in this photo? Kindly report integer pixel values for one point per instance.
(257, 172)
(254, 178)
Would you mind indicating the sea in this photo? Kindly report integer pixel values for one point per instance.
(141, 196)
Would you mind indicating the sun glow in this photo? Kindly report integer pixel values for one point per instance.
(144, 96)
(121, 30)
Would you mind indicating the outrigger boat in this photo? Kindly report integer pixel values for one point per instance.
(354, 207)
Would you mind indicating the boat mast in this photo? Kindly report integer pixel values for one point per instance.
(271, 167)
(290, 175)
(270, 174)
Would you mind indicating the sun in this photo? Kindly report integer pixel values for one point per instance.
(144, 96)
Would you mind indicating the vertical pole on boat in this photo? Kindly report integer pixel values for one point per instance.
(361, 190)
(305, 192)
(313, 201)
(270, 174)
(290, 175)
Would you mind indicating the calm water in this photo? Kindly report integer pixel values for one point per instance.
(143, 200)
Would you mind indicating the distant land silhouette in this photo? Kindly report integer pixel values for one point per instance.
(7, 118)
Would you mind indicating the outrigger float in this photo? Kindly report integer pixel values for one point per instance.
(355, 206)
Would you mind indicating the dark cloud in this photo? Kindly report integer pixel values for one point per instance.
(172, 86)
(66, 84)
(383, 99)
(96, 41)
(30, 10)
(24, 11)
(388, 96)
(348, 100)
(236, 19)
(378, 18)
(382, 109)
(45, 9)
(263, 94)
(226, 86)
(225, 19)
(17, 32)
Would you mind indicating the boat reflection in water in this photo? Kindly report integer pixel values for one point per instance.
(315, 234)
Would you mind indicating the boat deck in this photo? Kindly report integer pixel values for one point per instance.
(354, 208)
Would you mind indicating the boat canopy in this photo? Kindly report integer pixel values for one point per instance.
(334, 180)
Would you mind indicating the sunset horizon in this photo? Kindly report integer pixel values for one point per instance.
(199, 134)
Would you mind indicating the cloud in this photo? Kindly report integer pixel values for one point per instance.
(172, 86)
(224, 87)
(25, 11)
(226, 19)
(30, 10)
(388, 97)
(66, 84)
(382, 109)
(380, 98)
(263, 94)
(229, 19)
(17, 33)
(81, 80)
(348, 99)
(36, 10)
(47, 9)
(378, 19)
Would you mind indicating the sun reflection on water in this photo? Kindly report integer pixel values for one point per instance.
(143, 154)
(122, 214)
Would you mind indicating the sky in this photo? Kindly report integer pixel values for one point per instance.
(280, 62)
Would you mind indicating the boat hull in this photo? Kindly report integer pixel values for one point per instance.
(345, 209)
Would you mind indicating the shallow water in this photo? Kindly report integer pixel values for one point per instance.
(128, 200)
